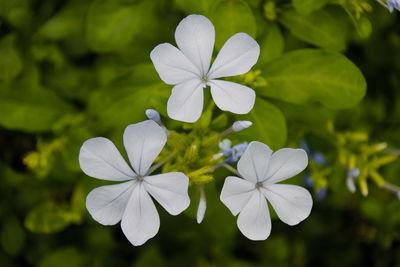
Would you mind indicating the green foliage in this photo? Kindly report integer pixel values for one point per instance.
(10, 61)
(269, 125)
(305, 7)
(321, 28)
(306, 76)
(230, 17)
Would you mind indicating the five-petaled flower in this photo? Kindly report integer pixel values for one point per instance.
(129, 202)
(261, 171)
(188, 68)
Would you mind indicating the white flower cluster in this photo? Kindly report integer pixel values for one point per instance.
(188, 68)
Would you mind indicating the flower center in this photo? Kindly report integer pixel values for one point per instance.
(140, 178)
(258, 185)
(204, 79)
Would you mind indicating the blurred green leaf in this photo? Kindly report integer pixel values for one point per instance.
(123, 105)
(30, 108)
(230, 17)
(307, 6)
(112, 25)
(271, 44)
(69, 21)
(306, 76)
(65, 257)
(47, 218)
(269, 125)
(12, 236)
(195, 6)
(321, 28)
(10, 60)
(363, 26)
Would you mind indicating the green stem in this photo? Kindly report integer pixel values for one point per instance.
(230, 168)
(160, 163)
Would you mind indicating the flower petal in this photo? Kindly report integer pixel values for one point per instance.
(253, 165)
(254, 220)
(195, 37)
(170, 190)
(172, 65)
(285, 163)
(236, 57)
(107, 203)
(99, 158)
(186, 101)
(235, 193)
(232, 97)
(140, 221)
(143, 142)
(292, 203)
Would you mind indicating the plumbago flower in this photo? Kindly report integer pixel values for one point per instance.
(261, 171)
(129, 202)
(188, 68)
(393, 4)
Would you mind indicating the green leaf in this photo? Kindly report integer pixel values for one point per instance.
(30, 108)
(230, 17)
(269, 125)
(112, 25)
(69, 21)
(321, 28)
(12, 236)
(118, 106)
(65, 257)
(10, 60)
(307, 6)
(47, 218)
(310, 75)
(195, 6)
(363, 26)
(272, 44)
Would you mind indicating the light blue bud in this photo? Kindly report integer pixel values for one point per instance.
(238, 126)
(153, 115)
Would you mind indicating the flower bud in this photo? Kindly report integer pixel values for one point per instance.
(153, 115)
(238, 126)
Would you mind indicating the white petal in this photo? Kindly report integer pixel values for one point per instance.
(254, 220)
(186, 101)
(292, 203)
(285, 163)
(236, 57)
(236, 193)
(201, 209)
(170, 190)
(195, 37)
(253, 165)
(107, 203)
(143, 142)
(140, 221)
(172, 65)
(232, 97)
(99, 158)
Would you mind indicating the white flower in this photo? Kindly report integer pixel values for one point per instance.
(262, 170)
(129, 202)
(188, 68)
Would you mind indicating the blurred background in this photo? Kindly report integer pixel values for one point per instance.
(73, 70)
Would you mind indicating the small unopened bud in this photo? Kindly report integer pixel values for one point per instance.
(202, 205)
(153, 115)
(238, 126)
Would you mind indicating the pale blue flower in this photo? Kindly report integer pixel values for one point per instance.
(393, 4)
